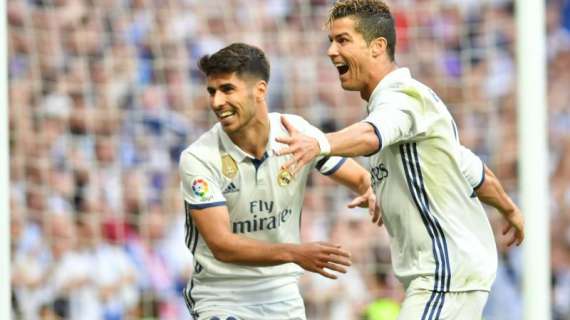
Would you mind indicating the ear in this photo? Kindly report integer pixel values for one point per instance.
(260, 90)
(378, 46)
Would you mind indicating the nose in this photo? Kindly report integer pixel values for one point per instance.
(218, 100)
(332, 50)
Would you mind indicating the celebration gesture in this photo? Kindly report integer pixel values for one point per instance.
(301, 147)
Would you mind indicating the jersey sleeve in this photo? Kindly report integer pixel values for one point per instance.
(200, 187)
(396, 117)
(471, 167)
(326, 165)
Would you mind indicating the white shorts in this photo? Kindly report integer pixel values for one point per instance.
(293, 309)
(430, 305)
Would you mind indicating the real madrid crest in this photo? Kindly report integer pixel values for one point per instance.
(229, 166)
(284, 177)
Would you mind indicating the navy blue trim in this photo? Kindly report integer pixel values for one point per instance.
(435, 308)
(189, 293)
(321, 163)
(335, 168)
(191, 230)
(190, 303)
(187, 224)
(482, 178)
(186, 300)
(195, 240)
(414, 190)
(377, 132)
(455, 133)
(437, 224)
(440, 305)
(414, 178)
(428, 305)
(207, 205)
(257, 162)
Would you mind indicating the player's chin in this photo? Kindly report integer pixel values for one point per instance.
(230, 127)
(349, 86)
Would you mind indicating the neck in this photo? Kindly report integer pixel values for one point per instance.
(375, 77)
(254, 136)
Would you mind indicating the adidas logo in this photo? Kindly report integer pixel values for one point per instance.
(231, 188)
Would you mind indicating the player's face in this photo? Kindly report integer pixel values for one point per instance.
(233, 100)
(350, 54)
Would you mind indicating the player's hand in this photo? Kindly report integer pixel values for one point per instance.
(301, 147)
(368, 200)
(319, 256)
(514, 227)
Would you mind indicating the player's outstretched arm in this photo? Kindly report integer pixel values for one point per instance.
(355, 177)
(358, 139)
(213, 224)
(491, 192)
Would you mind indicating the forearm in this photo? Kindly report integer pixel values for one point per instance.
(359, 139)
(353, 176)
(241, 250)
(491, 192)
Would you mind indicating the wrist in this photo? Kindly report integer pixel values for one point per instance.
(324, 145)
(288, 253)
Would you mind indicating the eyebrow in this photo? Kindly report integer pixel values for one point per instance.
(339, 35)
(224, 86)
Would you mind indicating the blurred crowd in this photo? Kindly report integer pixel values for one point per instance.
(104, 95)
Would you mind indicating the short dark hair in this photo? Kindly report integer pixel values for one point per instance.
(373, 20)
(241, 58)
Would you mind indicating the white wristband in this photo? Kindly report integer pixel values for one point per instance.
(324, 145)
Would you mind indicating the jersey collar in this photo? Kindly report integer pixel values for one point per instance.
(236, 152)
(390, 79)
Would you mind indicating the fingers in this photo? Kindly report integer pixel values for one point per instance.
(506, 229)
(357, 202)
(520, 237)
(513, 239)
(288, 125)
(334, 250)
(381, 221)
(289, 165)
(516, 238)
(326, 274)
(333, 258)
(335, 267)
(284, 140)
(377, 216)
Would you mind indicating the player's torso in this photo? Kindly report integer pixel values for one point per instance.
(428, 209)
(264, 201)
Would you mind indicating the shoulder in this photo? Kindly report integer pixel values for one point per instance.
(204, 149)
(297, 121)
(404, 95)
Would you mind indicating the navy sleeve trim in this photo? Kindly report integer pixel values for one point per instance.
(321, 163)
(207, 205)
(377, 132)
(335, 168)
(482, 178)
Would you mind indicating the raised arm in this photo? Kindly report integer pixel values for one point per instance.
(356, 140)
(491, 192)
(213, 224)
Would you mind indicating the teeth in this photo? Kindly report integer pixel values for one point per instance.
(225, 114)
(338, 65)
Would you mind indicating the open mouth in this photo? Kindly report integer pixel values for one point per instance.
(225, 114)
(342, 68)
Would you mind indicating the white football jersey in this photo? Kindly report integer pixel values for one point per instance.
(264, 203)
(425, 179)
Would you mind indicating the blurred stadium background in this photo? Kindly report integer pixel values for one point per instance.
(104, 94)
